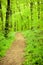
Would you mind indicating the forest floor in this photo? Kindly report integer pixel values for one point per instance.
(15, 55)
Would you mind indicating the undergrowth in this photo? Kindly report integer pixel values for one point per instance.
(5, 43)
(34, 47)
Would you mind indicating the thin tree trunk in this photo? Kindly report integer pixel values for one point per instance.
(7, 19)
(1, 15)
(31, 10)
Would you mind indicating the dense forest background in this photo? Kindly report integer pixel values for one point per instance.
(21, 15)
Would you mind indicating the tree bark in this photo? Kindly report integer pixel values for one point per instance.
(7, 19)
(1, 15)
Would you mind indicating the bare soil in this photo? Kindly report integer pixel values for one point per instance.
(15, 55)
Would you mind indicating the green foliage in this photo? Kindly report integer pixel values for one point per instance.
(5, 43)
(34, 47)
(23, 17)
(21, 14)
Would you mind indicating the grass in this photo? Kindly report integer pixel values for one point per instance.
(5, 43)
(34, 47)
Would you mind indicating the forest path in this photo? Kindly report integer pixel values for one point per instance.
(15, 55)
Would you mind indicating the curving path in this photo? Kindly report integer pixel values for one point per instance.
(15, 55)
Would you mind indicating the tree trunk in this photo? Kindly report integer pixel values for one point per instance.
(7, 19)
(1, 15)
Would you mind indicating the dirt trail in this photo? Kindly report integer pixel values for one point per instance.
(15, 54)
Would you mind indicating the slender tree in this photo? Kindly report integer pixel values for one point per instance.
(31, 10)
(38, 9)
(38, 3)
(7, 19)
(1, 15)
